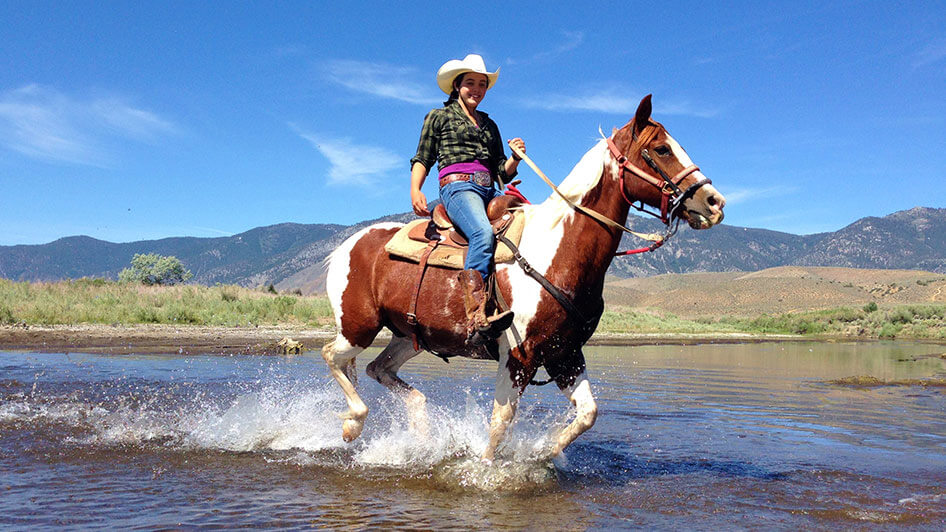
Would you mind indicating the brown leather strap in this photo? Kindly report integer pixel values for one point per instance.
(625, 164)
(653, 237)
(450, 178)
(412, 315)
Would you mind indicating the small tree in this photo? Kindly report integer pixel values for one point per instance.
(151, 269)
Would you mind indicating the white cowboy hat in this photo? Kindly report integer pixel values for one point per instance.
(454, 67)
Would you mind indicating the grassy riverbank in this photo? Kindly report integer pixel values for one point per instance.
(899, 321)
(96, 301)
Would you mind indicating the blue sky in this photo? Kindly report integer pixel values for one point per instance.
(141, 120)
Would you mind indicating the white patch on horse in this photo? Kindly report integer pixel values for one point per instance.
(679, 152)
(338, 265)
(580, 394)
(505, 402)
(543, 233)
(586, 411)
(691, 203)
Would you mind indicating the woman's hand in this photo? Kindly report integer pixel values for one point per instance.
(419, 202)
(418, 199)
(517, 144)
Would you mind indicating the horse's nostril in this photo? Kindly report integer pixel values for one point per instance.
(711, 200)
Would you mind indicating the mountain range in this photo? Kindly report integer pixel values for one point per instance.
(290, 255)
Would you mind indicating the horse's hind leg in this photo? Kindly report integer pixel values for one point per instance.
(340, 357)
(384, 370)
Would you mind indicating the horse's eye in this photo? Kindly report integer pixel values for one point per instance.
(662, 151)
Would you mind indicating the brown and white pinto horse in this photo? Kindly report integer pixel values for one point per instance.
(369, 289)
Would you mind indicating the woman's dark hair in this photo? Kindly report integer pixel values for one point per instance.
(455, 93)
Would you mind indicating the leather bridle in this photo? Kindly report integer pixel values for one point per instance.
(672, 197)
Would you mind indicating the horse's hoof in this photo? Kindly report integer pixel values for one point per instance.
(351, 429)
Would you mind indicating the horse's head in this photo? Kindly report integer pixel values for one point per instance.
(655, 170)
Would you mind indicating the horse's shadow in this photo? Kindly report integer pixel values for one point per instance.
(613, 462)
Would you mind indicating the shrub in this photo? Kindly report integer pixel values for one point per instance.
(870, 307)
(808, 326)
(901, 315)
(889, 330)
(228, 295)
(284, 304)
(927, 312)
(6, 316)
(154, 269)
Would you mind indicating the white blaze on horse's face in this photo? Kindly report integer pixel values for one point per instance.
(705, 208)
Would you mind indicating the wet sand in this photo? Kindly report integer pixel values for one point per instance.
(162, 339)
(194, 339)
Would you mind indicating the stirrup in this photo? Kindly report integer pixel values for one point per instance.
(496, 324)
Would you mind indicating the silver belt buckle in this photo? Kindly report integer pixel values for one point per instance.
(482, 178)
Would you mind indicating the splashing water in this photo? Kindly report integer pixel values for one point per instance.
(273, 414)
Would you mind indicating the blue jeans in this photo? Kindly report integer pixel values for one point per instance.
(466, 205)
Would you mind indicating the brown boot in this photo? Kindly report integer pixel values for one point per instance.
(480, 327)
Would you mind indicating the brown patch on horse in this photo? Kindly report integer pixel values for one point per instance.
(361, 323)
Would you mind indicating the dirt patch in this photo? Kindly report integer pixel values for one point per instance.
(158, 339)
(868, 381)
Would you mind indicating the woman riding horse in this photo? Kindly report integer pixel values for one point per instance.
(467, 146)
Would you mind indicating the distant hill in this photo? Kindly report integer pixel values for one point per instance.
(776, 290)
(914, 239)
(290, 255)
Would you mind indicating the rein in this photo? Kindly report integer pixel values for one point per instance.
(657, 239)
(672, 197)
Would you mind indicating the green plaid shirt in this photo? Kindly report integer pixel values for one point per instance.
(448, 137)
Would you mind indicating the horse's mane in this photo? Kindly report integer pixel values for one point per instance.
(585, 175)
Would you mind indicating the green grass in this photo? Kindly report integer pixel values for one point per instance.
(618, 319)
(904, 321)
(107, 302)
(97, 301)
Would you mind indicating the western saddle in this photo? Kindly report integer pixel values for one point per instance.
(440, 229)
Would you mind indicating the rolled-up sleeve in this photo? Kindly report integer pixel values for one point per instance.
(427, 146)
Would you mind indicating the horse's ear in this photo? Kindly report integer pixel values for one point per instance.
(642, 117)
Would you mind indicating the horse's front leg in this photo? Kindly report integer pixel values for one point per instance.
(574, 384)
(511, 380)
(340, 357)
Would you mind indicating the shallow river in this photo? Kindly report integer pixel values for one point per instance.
(695, 437)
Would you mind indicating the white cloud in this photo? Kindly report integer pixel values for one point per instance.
(384, 81)
(356, 164)
(126, 120)
(43, 123)
(931, 53)
(573, 39)
(735, 196)
(612, 100)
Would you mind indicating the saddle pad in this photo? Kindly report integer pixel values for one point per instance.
(402, 246)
